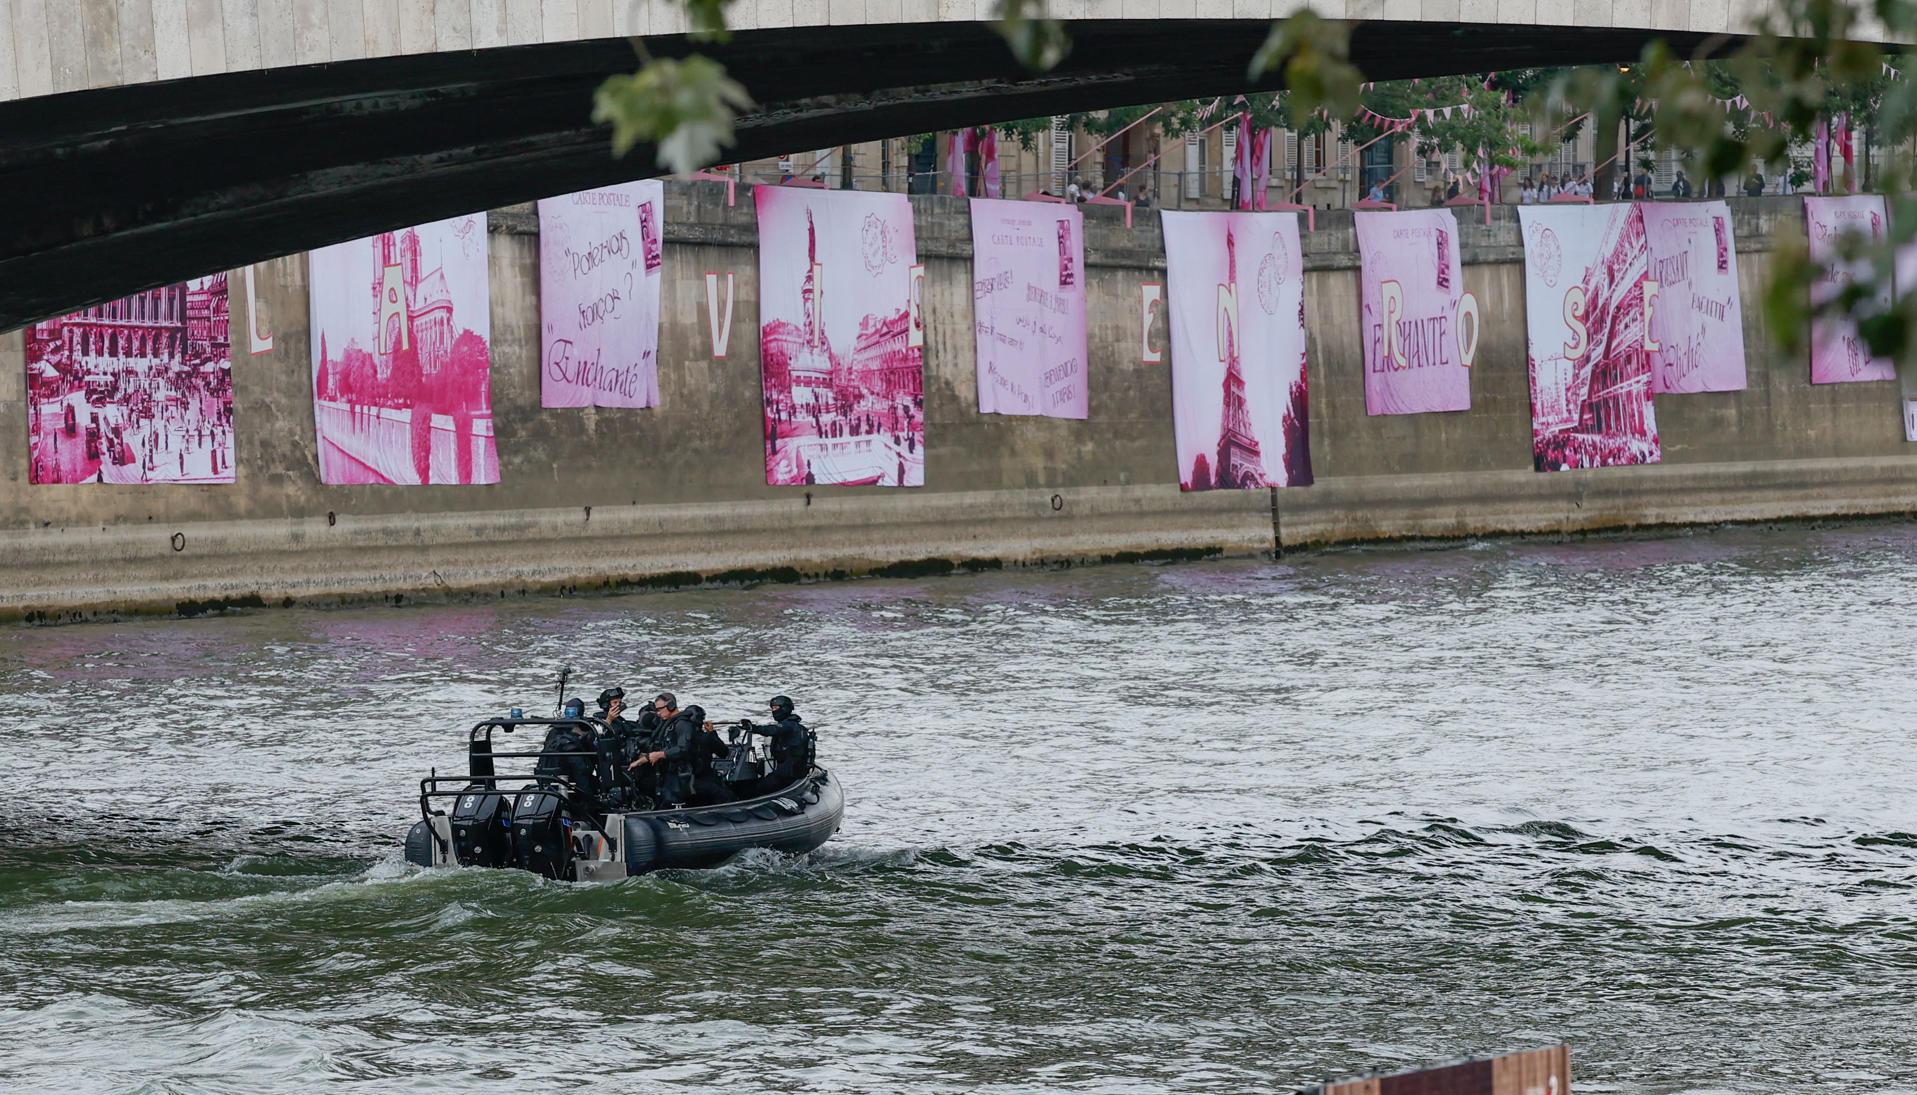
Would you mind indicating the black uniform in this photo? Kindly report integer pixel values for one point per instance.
(678, 738)
(576, 770)
(791, 751)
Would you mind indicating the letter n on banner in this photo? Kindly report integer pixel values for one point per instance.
(1151, 323)
(721, 330)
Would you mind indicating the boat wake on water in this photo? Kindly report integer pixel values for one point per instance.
(1361, 811)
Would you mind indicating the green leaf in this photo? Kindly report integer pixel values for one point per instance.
(684, 108)
(1038, 41)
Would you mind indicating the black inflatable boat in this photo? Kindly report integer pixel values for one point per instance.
(543, 824)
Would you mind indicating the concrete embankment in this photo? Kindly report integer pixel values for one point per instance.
(592, 499)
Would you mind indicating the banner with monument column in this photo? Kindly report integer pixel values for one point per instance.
(601, 263)
(1028, 308)
(1239, 385)
(1590, 351)
(402, 363)
(841, 338)
(1420, 327)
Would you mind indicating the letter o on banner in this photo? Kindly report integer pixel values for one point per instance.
(1468, 328)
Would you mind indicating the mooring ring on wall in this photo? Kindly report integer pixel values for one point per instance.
(331, 518)
(179, 541)
(1058, 502)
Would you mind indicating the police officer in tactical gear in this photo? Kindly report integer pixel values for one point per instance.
(669, 754)
(622, 741)
(792, 745)
(567, 754)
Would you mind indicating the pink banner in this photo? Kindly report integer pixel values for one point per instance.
(1240, 407)
(1028, 308)
(1697, 319)
(1838, 354)
(402, 363)
(840, 351)
(601, 262)
(137, 390)
(1584, 272)
(1420, 327)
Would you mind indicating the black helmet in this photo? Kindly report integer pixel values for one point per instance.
(609, 695)
(574, 708)
(782, 705)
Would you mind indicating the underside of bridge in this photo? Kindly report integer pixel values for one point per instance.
(112, 191)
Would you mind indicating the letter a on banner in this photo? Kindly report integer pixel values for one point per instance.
(392, 311)
(721, 331)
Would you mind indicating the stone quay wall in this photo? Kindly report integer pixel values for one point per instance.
(675, 495)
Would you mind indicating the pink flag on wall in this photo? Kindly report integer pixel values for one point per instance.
(1240, 406)
(956, 163)
(989, 183)
(402, 361)
(1420, 328)
(841, 338)
(137, 390)
(1838, 354)
(1697, 319)
(1028, 308)
(1584, 274)
(601, 263)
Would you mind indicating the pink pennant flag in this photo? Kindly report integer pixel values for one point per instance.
(1241, 161)
(989, 183)
(1261, 157)
(956, 161)
(1820, 157)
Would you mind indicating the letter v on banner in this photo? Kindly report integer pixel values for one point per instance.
(721, 331)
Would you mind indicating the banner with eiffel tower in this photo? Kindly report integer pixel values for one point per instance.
(1239, 386)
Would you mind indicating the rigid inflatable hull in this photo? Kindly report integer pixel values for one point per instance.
(795, 820)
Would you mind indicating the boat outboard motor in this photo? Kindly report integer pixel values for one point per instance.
(541, 843)
(480, 834)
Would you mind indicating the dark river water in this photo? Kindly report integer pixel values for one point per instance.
(1201, 828)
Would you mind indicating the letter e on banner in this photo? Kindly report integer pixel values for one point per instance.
(915, 336)
(1580, 343)
(720, 330)
(1650, 310)
(1467, 329)
(1391, 299)
(1151, 323)
(259, 331)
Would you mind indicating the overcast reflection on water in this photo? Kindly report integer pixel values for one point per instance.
(1228, 827)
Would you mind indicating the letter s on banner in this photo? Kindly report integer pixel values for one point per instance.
(721, 330)
(1467, 329)
(1151, 319)
(915, 334)
(259, 332)
(1580, 343)
(1650, 309)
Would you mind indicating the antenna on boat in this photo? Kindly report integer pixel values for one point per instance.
(564, 676)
